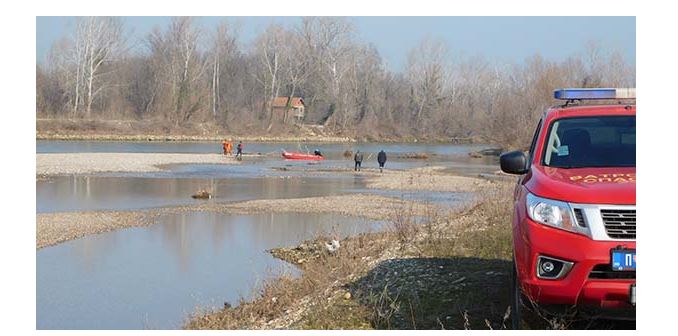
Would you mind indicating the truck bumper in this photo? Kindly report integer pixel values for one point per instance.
(605, 289)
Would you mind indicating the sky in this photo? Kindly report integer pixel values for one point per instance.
(500, 39)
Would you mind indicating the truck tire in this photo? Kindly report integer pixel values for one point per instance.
(516, 301)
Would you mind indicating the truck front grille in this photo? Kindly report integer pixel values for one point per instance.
(604, 271)
(619, 224)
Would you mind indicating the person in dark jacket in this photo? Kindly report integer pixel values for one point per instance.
(358, 158)
(381, 158)
(238, 154)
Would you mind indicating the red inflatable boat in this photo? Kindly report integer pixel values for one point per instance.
(301, 156)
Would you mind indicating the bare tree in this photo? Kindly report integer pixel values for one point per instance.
(269, 50)
(297, 63)
(184, 77)
(427, 70)
(177, 54)
(223, 51)
(97, 42)
(328, 41)
(58, 68)
(142, 86)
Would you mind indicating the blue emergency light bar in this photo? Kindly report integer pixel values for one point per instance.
(607, 93)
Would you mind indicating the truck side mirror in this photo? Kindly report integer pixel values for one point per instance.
(513, 162)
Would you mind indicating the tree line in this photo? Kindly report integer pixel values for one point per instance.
(184, 73)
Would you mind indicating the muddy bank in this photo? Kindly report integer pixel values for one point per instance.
(86, 163)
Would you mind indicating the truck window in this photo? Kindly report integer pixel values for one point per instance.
(604, 141)
(534, 140)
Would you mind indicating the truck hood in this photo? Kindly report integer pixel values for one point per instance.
(584, 185)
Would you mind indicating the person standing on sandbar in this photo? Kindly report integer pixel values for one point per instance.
(358, 158)
(381, 158)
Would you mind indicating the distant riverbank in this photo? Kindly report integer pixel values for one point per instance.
(249, 138)
(135, 130)
(156, 137)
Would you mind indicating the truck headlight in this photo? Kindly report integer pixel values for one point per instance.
(553, 213)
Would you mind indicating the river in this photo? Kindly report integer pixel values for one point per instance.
(153, 277)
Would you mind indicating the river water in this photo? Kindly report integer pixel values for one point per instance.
(153, 277)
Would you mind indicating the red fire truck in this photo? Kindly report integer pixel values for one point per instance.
(574, 216)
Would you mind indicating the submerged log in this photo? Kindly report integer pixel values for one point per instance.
(202, 194)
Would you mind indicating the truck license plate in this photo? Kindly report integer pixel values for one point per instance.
(624, 260)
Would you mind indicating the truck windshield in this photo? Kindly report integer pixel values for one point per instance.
(605, 141)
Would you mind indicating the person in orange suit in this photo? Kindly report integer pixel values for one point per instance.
(228, 147)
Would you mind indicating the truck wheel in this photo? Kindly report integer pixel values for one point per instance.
(516, 301)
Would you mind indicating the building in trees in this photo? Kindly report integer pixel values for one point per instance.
(288, 109)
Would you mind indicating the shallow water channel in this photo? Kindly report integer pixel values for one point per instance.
(153, 277)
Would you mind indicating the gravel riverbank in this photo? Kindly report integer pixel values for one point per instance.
(86, 163)
(359, 205)
(426, 179)
(433, 178)
(55, 228)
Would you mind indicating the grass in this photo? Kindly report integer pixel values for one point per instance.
(454, 273)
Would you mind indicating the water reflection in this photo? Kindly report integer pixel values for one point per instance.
(80, 193)
(153, 276)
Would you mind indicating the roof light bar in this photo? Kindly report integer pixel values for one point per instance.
(607, 93)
